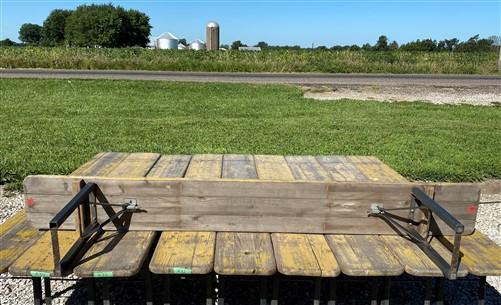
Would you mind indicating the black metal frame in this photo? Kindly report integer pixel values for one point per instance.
(420, 200)
(89, 228)
(80, 199)
(449, 269)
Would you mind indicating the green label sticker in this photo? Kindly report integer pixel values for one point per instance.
(180, 270)
(102, 274)
(39, 274)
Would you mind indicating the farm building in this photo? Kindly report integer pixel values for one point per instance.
(167, 41)
(197, 44)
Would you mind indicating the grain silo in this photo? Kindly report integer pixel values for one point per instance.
(197, 45)
(212, 36)
(167, 41)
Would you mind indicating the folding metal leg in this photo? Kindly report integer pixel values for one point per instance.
(209, 299)
(106, 293)
(91, 291)
(385, 298)
(220, 291)
(439, 291)
(166, 297)
(482, 282)
(276, 287)
(48, 293)
(332, 291)
(37, 290)
(263, 291)
(148, 287)
(428, 286)
(316, 294)
(374, 291)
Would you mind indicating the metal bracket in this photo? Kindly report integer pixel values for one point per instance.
(88, 234)
(422, 200)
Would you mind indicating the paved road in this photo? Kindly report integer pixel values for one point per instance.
(269, 78)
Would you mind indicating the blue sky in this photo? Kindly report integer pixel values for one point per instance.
(321, 22)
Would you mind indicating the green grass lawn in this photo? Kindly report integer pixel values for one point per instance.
(53, 126)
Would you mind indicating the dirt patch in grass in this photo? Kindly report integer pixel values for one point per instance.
(478, 96)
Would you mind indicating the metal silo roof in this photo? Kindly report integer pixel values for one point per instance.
(212, 24)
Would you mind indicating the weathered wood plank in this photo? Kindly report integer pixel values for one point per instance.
(89, 164)
(116, 254)
(16, 235)
(101, 164)
(272, 168)
(362, 255)
(416, 262)
(375, 170)
(239, 167)
(481, 255)
(134, 165)
(341, 168)
(205, 167)
(184, 253)
(461, 199)
(226, 205)
(307, 168)
(38, 259)
(170, 166)
(244, 254)
(304, 255)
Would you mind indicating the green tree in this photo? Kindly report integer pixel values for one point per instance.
(393, 46)
(382, 43)
(366, 47)
(262, 45)
(136, 28)
(7, 43)
(236, 44)
(107, 26)
(30, 33)
(53, 27)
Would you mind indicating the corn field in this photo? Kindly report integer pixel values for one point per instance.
(266, 61)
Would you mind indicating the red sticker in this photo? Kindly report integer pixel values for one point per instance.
(30, 202)
(472, 209)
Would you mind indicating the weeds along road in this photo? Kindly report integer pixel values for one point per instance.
(444, 80)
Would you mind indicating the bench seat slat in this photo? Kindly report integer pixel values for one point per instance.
(481, 255)
(206, 166)
(271, 167)
(304, 255)
(307, 168)
(244, 254)
(416, 262)
(101, 164)
(184, 252)
(116, 254)
(39, 258)
(341, 168)
(364, 255)
(170, 166)
(16, 235)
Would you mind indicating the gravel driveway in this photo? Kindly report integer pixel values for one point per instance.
(461, 292)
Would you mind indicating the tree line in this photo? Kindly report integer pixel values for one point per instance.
(473, 44)
(95, 25)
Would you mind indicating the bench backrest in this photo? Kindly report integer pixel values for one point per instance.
(250, 205)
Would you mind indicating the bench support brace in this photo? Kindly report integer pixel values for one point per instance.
(422, 200)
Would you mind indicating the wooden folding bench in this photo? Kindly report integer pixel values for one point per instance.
(122, 215)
